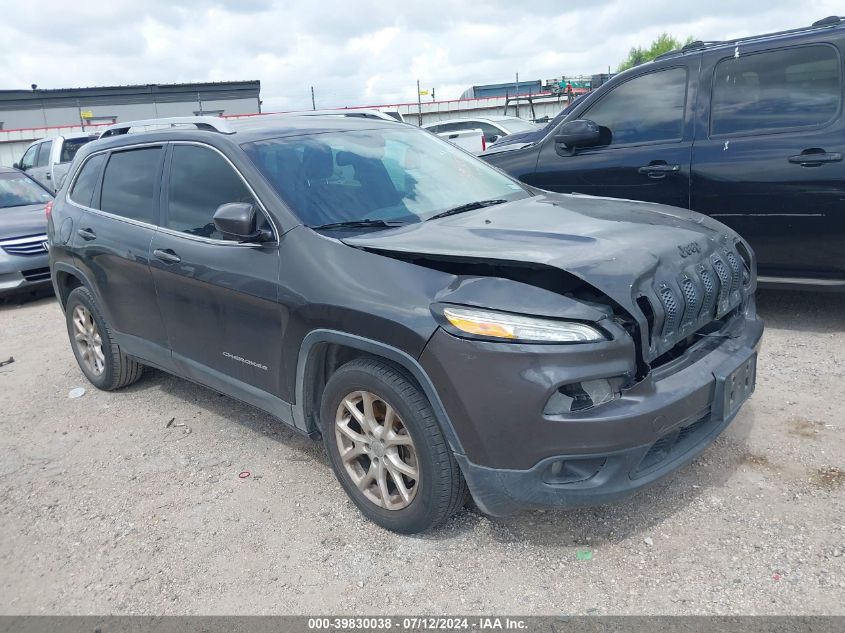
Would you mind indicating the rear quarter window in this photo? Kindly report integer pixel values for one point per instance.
(82, 191)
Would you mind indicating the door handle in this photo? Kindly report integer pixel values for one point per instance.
(659, 170)
(48, 176)
(167, 256)
(87, 234)
(811, 159)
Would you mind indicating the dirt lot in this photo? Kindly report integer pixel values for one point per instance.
(106, 509)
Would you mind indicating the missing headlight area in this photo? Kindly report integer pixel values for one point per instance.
(581, 396)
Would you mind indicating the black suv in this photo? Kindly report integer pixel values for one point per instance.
(750, 132)
(445, 328)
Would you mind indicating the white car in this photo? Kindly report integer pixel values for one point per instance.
(47, 160)
(493, 127)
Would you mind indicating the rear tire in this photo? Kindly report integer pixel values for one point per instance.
(92, 341)
(386, 448)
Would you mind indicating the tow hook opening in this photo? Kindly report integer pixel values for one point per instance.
(570, 471)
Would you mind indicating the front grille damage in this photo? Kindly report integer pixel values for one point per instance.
(675, 304)
(704, 292)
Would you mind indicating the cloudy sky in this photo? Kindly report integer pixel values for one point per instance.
(355, 52)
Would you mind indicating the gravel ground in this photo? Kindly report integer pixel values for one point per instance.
(106, 509)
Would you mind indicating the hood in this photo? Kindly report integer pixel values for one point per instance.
(22, 221)
(624, 249)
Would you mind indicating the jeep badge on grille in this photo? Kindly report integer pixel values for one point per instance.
(689, 249)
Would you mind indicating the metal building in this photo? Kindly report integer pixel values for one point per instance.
(38, 108)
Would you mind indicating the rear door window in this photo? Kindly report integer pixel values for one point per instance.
(645, 109)
(130, 183)
(44, 154)
(776, 90)
(82, 191)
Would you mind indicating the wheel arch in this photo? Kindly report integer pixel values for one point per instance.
(66, 280)
(323, 351)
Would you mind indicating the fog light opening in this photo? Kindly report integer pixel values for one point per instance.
(580, 396)
(571, 471)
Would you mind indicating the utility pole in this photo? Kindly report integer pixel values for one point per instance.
(419, 105)
(517, 95)
(313, 104)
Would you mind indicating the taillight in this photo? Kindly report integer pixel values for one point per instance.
(483, 142)
(48, 209)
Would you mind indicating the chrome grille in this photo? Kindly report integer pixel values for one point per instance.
(28, 245)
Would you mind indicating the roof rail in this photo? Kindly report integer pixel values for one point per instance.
(829, 21)
(207, 123)
(364, 113)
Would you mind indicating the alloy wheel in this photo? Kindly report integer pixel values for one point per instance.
(376, 450)
(88, 341)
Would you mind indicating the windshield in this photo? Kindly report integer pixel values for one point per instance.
(18, 190)
(401, 175)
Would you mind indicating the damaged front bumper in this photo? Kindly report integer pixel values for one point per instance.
(518, 455)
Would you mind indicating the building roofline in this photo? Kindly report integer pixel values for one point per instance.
(134, 88)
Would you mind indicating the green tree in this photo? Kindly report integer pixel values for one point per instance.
(663, 44)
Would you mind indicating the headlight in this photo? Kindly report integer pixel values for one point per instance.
(524, 329)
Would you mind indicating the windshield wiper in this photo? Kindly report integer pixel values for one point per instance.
(469, 206)
(355, 224)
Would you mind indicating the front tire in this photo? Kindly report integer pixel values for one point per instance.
(386, 448)
(92, 341)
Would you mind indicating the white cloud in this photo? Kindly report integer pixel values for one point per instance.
(354, 53)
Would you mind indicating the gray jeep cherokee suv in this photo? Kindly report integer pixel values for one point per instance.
(446, 329)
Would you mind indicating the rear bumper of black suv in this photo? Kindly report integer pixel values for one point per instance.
(516, 456)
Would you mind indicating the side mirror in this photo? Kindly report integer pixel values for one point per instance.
(16, 165)
(579, 133)
(239, 220)
(493, 138)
